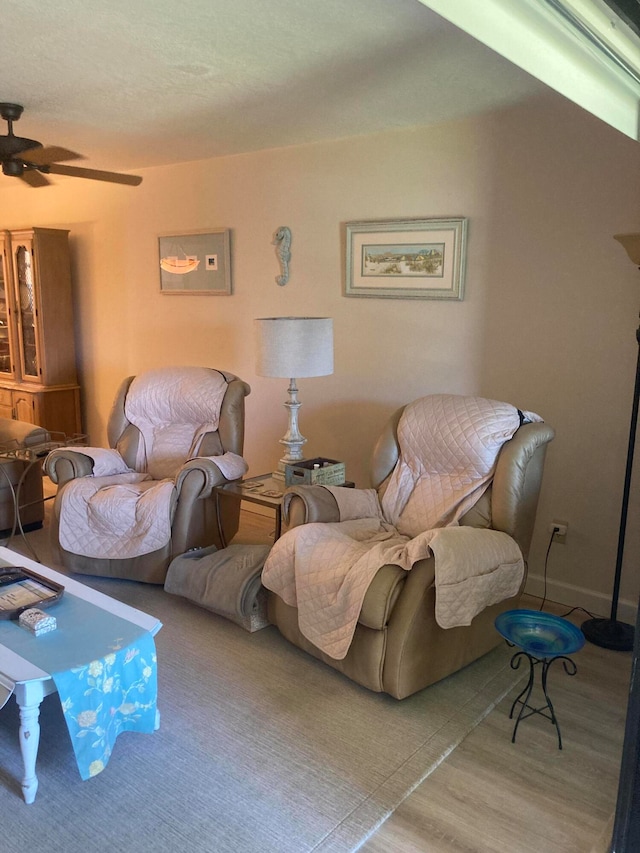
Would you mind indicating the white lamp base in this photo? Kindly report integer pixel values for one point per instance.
(292, 440)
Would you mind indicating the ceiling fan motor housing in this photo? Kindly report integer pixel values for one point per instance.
(14, 168)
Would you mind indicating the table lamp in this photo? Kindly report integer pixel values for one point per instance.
(293, 348)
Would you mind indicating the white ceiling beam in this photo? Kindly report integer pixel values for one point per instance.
(536, 37)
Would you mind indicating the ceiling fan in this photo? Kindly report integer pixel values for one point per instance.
(27, 159)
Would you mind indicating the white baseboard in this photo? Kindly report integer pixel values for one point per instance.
(576, 596)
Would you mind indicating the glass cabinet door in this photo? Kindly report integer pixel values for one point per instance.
(27, 311)
(5, 346)
(6, 354)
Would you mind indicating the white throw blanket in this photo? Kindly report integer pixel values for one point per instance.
(444, 467)
(119, 513)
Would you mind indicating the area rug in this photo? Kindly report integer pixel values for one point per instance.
(261, 748)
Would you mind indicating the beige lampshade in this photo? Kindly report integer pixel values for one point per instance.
(294, 347)
(631, 242)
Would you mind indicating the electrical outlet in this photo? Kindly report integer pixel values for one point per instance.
(559, 530)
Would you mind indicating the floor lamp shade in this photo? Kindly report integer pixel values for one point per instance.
(293, 348)
(631, 244)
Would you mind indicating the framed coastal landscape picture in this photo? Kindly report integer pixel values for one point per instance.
(406, 259)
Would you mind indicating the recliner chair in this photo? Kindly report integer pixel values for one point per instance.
(398, 647)
(193, 515)
(20, 472)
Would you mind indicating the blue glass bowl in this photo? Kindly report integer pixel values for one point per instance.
(542, 635)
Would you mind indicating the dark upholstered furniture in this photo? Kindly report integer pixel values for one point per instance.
(14, 435)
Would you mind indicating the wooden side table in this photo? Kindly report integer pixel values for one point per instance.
(262, 490)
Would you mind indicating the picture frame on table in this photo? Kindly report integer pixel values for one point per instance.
(195, 263)
(406, 258)
(21, 589)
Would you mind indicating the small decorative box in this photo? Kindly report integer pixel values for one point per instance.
(319, 471)
(37, 621)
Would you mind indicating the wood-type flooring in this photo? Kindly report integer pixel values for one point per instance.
(494, 796)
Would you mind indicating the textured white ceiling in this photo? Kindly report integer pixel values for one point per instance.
(135, 83)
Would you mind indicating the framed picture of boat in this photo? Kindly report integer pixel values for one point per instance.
(406, 259)
(196, 262)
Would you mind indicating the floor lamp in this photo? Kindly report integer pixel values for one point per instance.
(610, 633)
(289, 347)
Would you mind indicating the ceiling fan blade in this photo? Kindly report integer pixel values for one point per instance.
(51, 154)
(34, 178)
(93, 174)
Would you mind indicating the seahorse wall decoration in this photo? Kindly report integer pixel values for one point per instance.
(282, 240)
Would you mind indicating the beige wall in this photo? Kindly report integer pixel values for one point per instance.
(547, 323)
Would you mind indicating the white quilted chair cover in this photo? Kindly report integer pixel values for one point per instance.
(448, 449)
(127, 513)
(173, 408)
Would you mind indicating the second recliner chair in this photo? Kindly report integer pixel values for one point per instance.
(174, 434)
(398, 647)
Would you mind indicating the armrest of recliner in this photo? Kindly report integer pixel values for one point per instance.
(21, 433)
(202, 476)
(305, 504)
(381, 596)
(195, 481)
(64, 464)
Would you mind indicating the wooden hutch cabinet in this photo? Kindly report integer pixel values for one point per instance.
(38, 380)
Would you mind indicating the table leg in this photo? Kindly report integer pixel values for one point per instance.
(223, 538)
(16, 492)
(29, 697)
(524, 703)
(526, 710)
(29, 741)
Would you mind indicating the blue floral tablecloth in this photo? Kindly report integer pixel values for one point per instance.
(105, 671)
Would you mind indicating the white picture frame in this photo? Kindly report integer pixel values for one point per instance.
(195, 263)
(406, 258)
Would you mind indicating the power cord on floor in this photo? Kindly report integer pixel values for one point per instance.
(573, 609)
(544, 597)
(546, 563)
